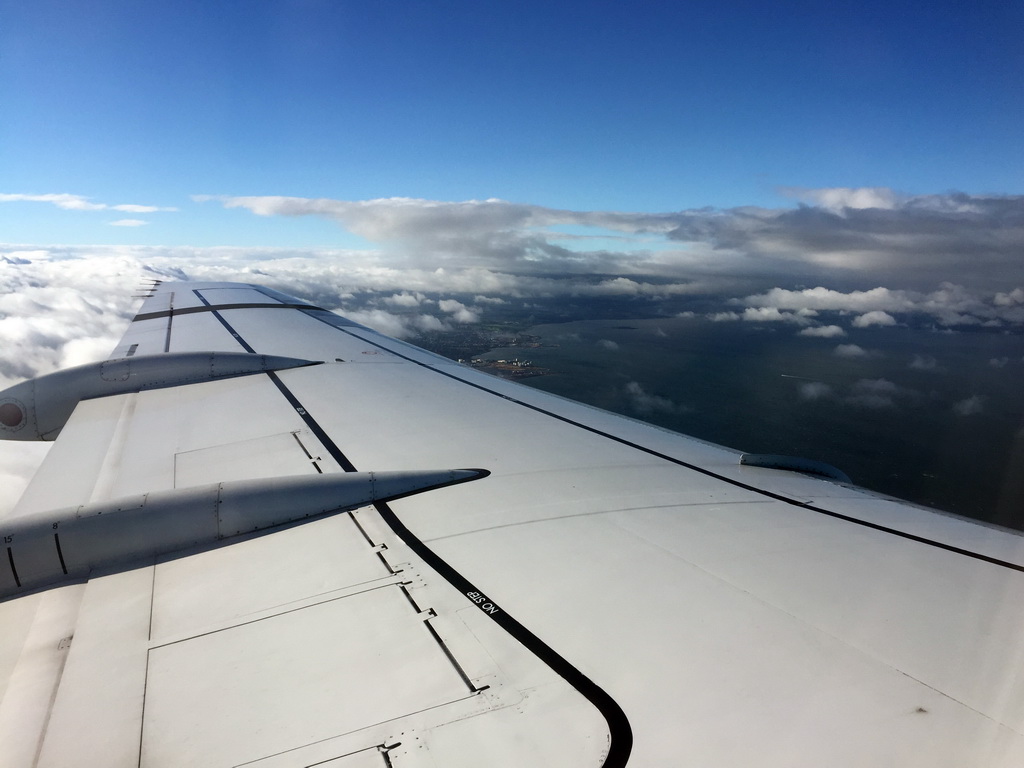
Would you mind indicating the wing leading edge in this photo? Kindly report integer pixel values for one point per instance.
(611, 593)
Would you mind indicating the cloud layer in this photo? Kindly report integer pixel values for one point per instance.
(80, 203)
(954, 258)
(916, 240)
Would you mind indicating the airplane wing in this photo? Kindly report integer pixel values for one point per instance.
(267, 536)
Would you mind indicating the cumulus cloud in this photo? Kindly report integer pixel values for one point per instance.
(823, 332)
(1009, 299)
(772, 315)
(876, 317)
(644, 402)
(849, 350)
(128, 223)
(821, 298)
(460, 312)
(969, 406)
(608, 344)
(949, 304)
(624, 286)
(399, 326)
(405, 299)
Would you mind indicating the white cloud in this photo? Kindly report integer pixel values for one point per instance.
(608, 344)
(772, 315)
(969, 406)
(823, 332)
(723, 317)
(49, 306)
(401, 217)
(132, 208)
(876, 317)
(129, 223)
(404, 299)
(822, 298)
(839, 198)
(875, 394)
(459, 311)
(399, 326)
(643, 402)
(79, 203)
(65, 201)
(949, 304)
(998, 362)
(429, 323)
(849, 350)
(623, 286)
(1009, 299)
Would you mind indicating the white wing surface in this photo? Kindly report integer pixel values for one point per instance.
(609, 594)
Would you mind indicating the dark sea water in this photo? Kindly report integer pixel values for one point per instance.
(933, 417)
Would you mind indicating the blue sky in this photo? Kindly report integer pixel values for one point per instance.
(596, 106)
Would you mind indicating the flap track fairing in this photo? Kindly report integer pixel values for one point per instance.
(70, 544)
(39, 408)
